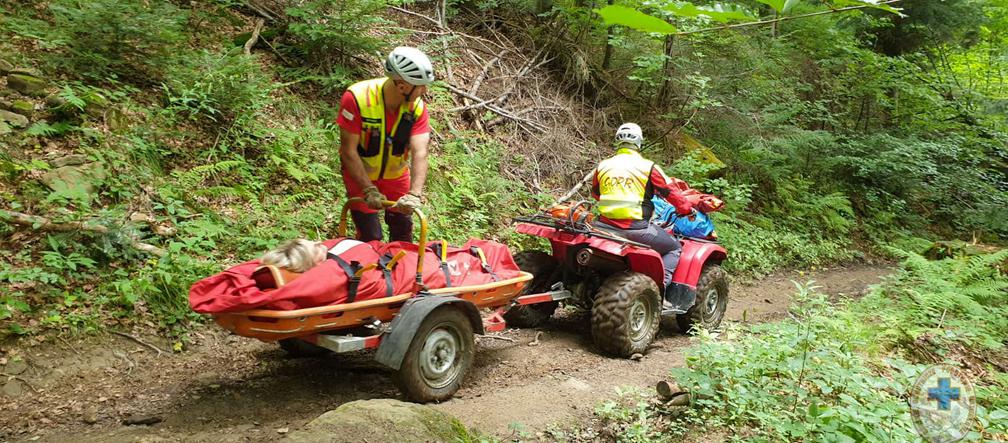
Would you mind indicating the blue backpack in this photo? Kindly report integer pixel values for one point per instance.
(700, 227)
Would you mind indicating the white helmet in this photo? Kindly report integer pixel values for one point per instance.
(629, 133)
(410, 64)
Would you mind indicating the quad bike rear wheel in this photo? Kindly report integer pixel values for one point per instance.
(711, 301)
(439, 356)
(542, 266)
(626, 314)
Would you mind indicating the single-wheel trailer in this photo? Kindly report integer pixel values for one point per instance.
(425, 336)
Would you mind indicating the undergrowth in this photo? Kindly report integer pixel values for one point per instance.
(841, 371)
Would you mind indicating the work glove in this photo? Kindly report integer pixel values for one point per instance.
(373, 198)
(408, 203)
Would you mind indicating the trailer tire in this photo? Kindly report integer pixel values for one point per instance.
(438, 357)
(711, 301)
(297, 348)
(542, 266)
(626, 314)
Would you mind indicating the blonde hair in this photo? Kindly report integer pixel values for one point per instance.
(296, 255)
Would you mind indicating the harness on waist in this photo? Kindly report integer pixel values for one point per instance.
(386, 263)
(440, 249)
(353, 270)
(476, 251)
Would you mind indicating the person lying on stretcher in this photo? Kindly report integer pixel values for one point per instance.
(303, 273)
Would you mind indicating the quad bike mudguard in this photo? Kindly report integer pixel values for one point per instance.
(695, 254)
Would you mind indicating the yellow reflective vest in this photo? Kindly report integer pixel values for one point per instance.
(384, 156)
(624, 185)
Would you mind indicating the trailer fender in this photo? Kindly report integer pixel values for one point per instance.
(404, 326)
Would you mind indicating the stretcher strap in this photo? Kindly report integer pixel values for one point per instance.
(353, 271)
(440, 249)
(386, 263)
(475, 250)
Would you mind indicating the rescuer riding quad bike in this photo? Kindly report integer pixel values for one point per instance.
(619, 281)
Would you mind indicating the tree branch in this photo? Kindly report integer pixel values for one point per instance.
(37, 223)
(255, 36)
(780, 19)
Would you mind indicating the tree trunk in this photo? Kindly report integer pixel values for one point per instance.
(607, 58)
(667, 70)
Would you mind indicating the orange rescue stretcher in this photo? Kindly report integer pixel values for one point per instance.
(426, 336)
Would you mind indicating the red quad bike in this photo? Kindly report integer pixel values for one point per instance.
(619, 281)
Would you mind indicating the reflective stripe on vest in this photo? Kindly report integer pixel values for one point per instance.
(623, 180)
(382, 161)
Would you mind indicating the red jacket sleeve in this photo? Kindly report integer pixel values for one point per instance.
(670, 194)
(422, 124)
(349, 114)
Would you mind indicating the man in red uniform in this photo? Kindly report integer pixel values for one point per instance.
(624, 185)
(384, 133)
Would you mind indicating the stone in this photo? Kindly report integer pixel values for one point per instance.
(13, 119)
(16, 367)
(54, 101)
(69, 160)
(95, 104)
(26, 71)
(90, 418)
(23, 107)
(5, 67)
(382, 421)
(577, 384)
(13, 388)
(27, 84)
(75, 179)
(4, 129)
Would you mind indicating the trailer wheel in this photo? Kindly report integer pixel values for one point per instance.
(542, 267)
(626, 314)
(438, 357)
(711, 301)
(297, 348)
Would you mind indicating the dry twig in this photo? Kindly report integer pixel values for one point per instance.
(138, 340)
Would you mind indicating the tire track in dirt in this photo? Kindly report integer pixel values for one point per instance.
(228, 388)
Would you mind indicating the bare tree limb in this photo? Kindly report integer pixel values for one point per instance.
(44, 224)
(498, 110)
(576, 188)
(255, 36)
(138, 340)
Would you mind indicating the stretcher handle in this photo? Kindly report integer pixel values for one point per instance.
(422, 243)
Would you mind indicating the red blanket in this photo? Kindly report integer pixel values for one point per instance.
(234, 289)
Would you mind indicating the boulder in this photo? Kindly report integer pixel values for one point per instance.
(70, 160)
(5, 67)
(23, 107)
(13, 119)
(27, 84)
(75, 179)
(95, 104)
(381, 421)
(4, 129)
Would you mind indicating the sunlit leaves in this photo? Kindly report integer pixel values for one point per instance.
(634, 19)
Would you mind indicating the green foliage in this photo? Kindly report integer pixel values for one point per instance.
(468, 197)
(129, 39)
(227, 89)
(842, 372)
(329, 36)
(956, 300)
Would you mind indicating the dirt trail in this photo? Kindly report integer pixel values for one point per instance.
(228, 388)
